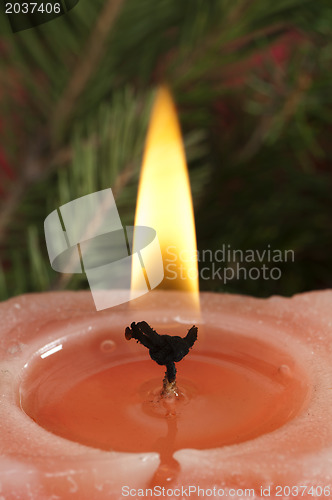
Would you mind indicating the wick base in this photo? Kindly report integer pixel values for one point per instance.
(169, 388)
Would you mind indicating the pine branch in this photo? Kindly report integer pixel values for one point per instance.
(9, 207)
(35, 168)
(89, 60)
(64, 278)
(199, 47)
(120, 129)
(31, 170)
(277, 117)
(237, 48)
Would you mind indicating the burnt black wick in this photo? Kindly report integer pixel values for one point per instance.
(164, 349)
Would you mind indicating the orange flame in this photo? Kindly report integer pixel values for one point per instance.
(164, 198)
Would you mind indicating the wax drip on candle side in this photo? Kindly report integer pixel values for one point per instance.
(164, 350)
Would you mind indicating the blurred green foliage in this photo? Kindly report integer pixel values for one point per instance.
(252, 82)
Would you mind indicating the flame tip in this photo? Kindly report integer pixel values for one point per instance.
(164, 196)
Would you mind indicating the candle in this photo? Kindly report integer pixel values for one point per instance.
(82, 414)
(79, 417)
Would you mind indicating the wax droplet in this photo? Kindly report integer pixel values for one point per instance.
(285, 371)
(107, 346)
(166, 472)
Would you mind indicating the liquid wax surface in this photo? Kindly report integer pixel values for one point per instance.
(104, 393)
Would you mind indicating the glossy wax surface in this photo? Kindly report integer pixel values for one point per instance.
(101, 391)
(270, 376)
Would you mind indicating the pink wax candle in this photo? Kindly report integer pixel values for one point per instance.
(80, 416)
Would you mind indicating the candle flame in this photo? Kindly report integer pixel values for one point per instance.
(164, 198)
